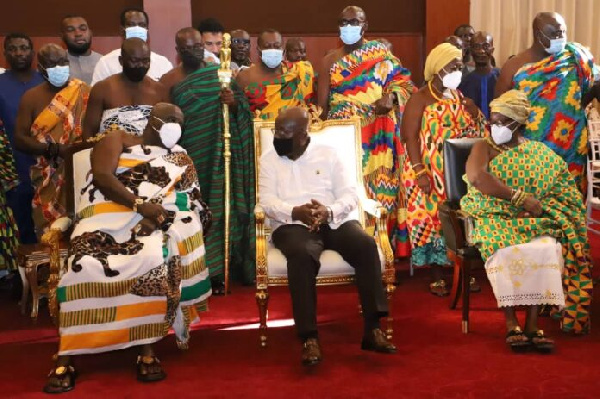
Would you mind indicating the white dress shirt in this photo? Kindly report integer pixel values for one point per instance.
(109, 65)
(318, 174)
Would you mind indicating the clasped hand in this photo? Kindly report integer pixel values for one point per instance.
(312, 214)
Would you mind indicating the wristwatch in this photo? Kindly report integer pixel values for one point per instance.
(136, 203)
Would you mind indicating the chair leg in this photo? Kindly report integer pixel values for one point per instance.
(25, 293)
(389, 331)
(456, 280)
(262, 300)
(31, 273)
(466, 279)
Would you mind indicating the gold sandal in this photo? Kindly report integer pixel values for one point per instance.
(438, 288)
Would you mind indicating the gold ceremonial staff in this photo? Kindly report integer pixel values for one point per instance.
(225, 80)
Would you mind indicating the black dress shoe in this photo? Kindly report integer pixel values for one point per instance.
(376, 341)
(311, 352)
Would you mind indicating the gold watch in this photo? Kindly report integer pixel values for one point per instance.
(136, 203)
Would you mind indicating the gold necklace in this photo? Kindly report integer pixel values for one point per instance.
(433, 92)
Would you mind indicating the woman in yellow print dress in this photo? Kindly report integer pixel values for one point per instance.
(436, 113)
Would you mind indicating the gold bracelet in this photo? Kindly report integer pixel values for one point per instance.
(515, 195)
(421, 173)
(522, 198)
(417, 164)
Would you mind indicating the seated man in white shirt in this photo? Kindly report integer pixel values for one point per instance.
(308, 196)
(134, 23)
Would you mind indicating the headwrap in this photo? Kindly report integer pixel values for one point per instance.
(513, 104)
(439, 57)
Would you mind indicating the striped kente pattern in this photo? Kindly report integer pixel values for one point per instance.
(88, 316)
(145, 331)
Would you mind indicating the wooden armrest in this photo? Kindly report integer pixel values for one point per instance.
(468, 226)
(261, 249)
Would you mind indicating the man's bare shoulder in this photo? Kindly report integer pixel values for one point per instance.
(244, 77)
(332, 56)
(515, 63)
(33, 93)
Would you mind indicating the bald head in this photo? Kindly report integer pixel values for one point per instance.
(355, 10)
(295, 49)
(291, 133)
(547, 18)
(295, 117)
(167, 112)
(547, 27)
(51, 55)
(135, 46)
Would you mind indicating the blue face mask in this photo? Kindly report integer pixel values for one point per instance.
(350, 34)
(58, 76)
(556, 45)
(272, 57)
(136, 31)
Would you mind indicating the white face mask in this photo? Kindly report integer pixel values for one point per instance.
(136, 31)
(272, 57)
(350, 34)
(452, 80)
(170, 133)
(556, 45)
(501, 134)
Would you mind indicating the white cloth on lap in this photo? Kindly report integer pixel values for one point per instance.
(528, 274)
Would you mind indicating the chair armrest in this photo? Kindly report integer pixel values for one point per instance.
(63, 224)
(371, 206)
(262, 270)
(468, 226)
(383, 241)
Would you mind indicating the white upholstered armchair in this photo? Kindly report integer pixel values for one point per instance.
(271, 265)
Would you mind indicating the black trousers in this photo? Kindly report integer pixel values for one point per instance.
(303, 248)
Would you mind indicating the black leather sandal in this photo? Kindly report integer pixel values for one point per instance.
(519, 345)
(63, 378)
(540, 342)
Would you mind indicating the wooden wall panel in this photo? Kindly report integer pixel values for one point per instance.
(310, 16)
(441, 18)
(167, 18)
(43, 17)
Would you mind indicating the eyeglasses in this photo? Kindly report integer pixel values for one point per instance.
(483, 46)
(351, 22)
(556, 35)
(240, 41)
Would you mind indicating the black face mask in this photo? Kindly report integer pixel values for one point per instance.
(135, 74)
(192, 59)
(283, 147)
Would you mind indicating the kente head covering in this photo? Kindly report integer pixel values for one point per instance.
(439, 57)
(513, 104)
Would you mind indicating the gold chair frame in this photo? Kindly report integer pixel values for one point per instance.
(264, 281)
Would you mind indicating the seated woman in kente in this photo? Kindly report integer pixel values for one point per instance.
(136, 264)
(530, 225)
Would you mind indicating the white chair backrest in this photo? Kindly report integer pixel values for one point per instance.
(342, 135)
(593, 117)
(82, 165)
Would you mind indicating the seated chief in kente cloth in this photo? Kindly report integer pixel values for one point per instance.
(136, 267)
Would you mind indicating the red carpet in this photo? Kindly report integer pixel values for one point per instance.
(435, 359)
